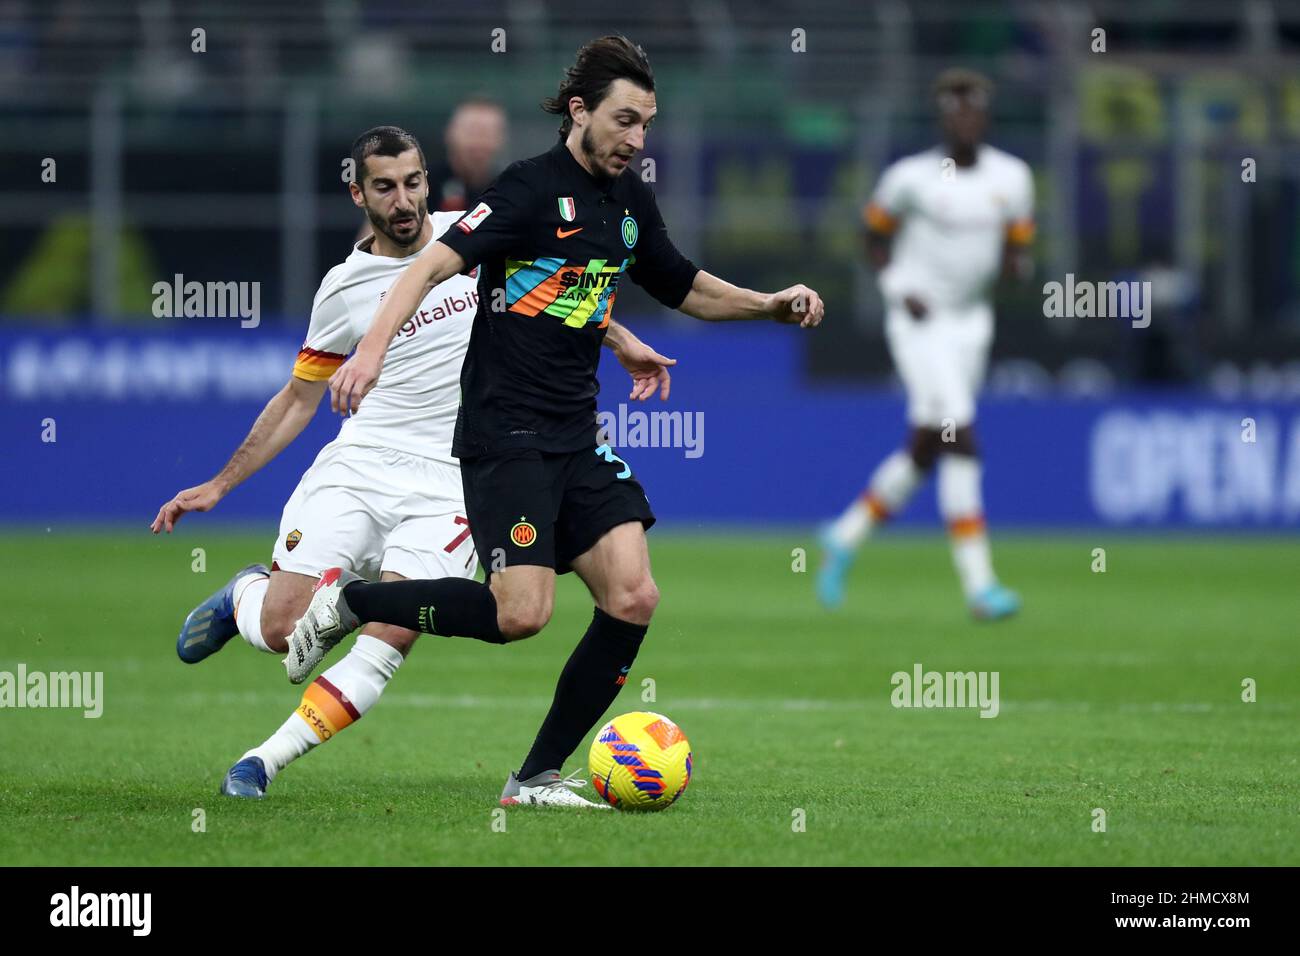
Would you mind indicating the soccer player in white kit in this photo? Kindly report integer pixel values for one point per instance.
(384, 498)
(942, 225)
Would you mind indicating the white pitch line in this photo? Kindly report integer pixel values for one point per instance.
(422, 701)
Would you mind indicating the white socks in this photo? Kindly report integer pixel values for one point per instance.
(962, 506)
(291, 741)
(337, 698)
(250, 592)
(892, 485)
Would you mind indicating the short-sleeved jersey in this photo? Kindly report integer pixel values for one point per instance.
(950, 224)
(553, 243)
(412, 407)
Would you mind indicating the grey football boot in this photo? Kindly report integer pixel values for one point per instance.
(548, 789)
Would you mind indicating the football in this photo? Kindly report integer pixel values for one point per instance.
(640, 761)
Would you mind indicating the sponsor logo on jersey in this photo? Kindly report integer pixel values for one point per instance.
(291, 539)
(567, 210)
(577, 293)
(523, 534)
(474, 218)
(629, 231)
(450, 305)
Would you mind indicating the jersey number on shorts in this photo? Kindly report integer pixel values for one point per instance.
(455, 542)
(607, 453)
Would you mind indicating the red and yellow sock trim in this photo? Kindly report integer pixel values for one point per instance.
(875, 506)
(326, 709)
(967, 527)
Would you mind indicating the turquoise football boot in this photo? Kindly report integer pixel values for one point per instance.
(994, 603)
(834, 570)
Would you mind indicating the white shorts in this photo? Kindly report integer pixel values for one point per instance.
(373, 510)
(941, 360)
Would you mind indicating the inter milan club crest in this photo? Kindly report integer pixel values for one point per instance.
(523, 534)
(567, 211)
(629, 231)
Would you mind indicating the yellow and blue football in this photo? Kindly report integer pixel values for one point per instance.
(640, 761)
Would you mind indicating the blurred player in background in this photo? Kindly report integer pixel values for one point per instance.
(384, 498)
(940, 227)
(475, 139)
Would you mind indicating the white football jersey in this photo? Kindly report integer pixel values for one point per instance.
(412, 407)
(950, 223)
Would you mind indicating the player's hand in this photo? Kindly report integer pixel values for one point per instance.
(797, 305)
(202, 497)
(649, 370)
(353, 380)
(915, 307)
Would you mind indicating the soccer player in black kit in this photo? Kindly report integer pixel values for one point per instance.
(555, 235)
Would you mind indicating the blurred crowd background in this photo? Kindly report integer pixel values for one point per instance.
(225, 164)
(206, 139)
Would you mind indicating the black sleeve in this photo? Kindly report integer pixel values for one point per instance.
(657, 266)
(501, 219)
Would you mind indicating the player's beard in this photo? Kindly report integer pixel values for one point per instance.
(588, 145)
(380, 224)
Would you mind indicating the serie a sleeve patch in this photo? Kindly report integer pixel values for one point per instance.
(474, 218)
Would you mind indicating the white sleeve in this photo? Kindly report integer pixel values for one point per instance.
(1020, 207)
(330, 335)
(890, 200)
(442, 221)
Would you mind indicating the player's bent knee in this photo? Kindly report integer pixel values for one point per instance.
(520, 620)
(277, 625)
(635, 604)
(516, 626)
(398, 638)
(924, 447)
(964, 442)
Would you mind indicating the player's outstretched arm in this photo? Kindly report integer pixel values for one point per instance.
(281, 421)
(649, 369)
(357, 376)
(716, 300)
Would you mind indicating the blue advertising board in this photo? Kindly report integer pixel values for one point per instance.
(103, 426)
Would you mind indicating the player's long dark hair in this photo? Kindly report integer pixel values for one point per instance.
(598, 65)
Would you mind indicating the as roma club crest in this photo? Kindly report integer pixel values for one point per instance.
(523, 534)
(291, 539)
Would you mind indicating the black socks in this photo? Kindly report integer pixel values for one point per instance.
(596, 671)
(450, 607)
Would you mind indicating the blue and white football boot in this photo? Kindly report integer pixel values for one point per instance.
(246, 779)
(212, 623)
(994, 603)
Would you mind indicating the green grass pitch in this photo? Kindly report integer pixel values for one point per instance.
(1120, 691)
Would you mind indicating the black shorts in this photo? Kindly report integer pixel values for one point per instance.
(541, 508)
